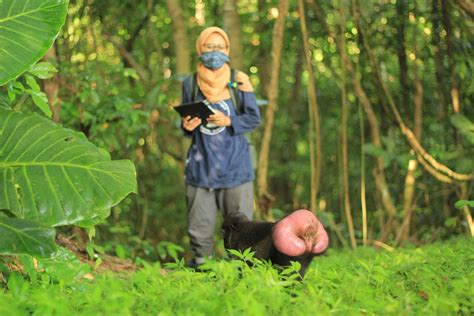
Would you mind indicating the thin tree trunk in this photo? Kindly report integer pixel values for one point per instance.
(410, 180)
(363, 200)
(130, 60)
(402, 56)
(180, 38)
(51, 86)
(263, 60)
(155, 45)
(144, 219)
(454, 88)
(344, 154)
(315, 126)
(264, 197)
(437, 169)
(438, 58)
(379, 175)
(467, 6)
(440, 91)
(232, 27)
(464, 196)
(295, 97)
(296, 91)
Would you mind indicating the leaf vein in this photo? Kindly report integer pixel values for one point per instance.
(53, 189)
(22, 137)
(31, 192)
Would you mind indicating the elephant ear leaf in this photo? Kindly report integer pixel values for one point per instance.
(27, 30)
(20, 236)
(54, 175)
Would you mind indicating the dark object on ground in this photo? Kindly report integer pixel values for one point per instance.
(297, 237)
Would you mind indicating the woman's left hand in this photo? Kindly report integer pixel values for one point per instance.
(219, 119)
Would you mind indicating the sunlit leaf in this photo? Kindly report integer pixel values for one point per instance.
(55, 175)
(43, 70)
(464, 126)
(19, 236)
(41, 101)
(27, 30)
(462, 203)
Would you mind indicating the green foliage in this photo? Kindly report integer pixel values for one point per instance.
(49, 176)
(58, 177)
(21, 236)
(462, 203)
(169, 249)
(465, 127)
(435, 279)
(117, 78)
(27, 30)
(18, 90)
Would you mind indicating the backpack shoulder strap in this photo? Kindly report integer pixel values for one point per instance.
(194, 88)
(234, 91)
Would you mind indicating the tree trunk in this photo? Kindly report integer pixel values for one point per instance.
(464, 196)
(232, 27)
(402, 56)
(410, 180)
(344, 154)
(180, 38)
(467, 6)
(264, 197)
(315, 126)
(454, 89)
(263, 60)
(440, 91)
(155, 45)
(438, 58)
(51, 86)
(296, 188)
(434, 167)
(379, 173)
(363, 199)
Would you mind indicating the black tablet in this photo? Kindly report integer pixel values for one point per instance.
(196, 109)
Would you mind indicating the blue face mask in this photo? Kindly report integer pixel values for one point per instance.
(214, 60)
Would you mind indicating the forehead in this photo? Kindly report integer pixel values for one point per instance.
(215, 38)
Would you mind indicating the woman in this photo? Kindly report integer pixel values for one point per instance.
(219, 171)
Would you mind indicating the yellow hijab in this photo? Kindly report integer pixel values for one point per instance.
(214, 83)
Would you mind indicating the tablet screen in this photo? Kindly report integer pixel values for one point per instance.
(196, 109)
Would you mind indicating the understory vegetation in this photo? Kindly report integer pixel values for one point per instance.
(434, 279)
(367, 121)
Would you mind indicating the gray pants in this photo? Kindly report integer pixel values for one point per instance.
(203, 205)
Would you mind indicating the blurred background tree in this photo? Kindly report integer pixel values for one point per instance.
(120, 66)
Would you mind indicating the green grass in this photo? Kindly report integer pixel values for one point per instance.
(436, 279)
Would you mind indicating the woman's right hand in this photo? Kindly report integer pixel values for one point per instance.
(190, 123)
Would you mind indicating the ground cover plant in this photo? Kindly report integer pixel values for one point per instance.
(432, 280)
(85, 120)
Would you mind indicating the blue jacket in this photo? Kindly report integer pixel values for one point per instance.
(219, 157)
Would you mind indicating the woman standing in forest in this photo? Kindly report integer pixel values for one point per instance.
(219, 173)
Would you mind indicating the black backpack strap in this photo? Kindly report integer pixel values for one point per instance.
(194, 88)
(234, 91)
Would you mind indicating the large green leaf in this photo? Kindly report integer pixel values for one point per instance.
(20, 236)
(54, 175)
(27, 30)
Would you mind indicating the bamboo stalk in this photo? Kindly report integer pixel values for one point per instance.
(315, 126)
(344, 105)
(363, 199)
